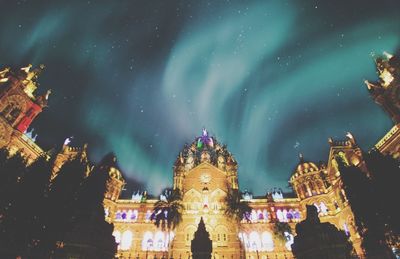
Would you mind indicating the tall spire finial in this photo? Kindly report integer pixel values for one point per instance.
(301, 158)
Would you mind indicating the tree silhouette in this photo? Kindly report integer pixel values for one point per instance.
(12, 169)
(316, 240)
(62, 200)
(385, 174)
(364, 204)
(168, 211)
(30, 203)
(236, 208)
(88, 227)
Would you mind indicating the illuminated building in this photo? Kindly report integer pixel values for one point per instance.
(18, 108)
(203, 171)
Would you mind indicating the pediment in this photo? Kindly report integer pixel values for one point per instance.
(205, 177)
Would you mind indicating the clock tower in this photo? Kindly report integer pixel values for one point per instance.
(204, 172)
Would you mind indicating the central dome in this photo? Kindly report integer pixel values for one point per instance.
(204, 149)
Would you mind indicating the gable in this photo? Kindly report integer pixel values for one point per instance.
(207, 176)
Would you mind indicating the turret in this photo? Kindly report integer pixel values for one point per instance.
(349, 152)
(69, 152)
(116, 181)
(308, 179)
(179, 171)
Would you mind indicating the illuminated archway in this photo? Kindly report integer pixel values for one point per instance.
(254, 241)
(126, 240)
(267, 242)
(147, 241)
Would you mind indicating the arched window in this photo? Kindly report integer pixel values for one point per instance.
(148, 215)
(267, 242)
(159, 241)
(123, 215)
(134, 215)
(129, 215)
(253, 216)
(296, 214)
(260, 215)
(118, 215)
(265, 212)
(189, 232)
(126, 240)
(222, 235)
(279, 215)
(254, 241)
(290, 215)
(147, 241)
(13, 115)
(246, 240)
(284, 213)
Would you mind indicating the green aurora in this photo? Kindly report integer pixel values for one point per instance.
(270, 79)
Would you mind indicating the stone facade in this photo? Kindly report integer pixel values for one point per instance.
(204, 174)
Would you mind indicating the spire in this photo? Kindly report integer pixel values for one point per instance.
(301, 158)
(201, 245)
(201, 228)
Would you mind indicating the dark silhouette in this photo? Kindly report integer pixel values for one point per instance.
(30, 204)
(385, 176)
(236, 208)
(201, 244)
(90, 235)
(168, 212)
(13, 167)
(62, 217)
(365, 205)
(316, 240)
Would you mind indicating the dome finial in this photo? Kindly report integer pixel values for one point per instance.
(204, 132)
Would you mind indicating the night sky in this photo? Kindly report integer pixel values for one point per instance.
(270, 79)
